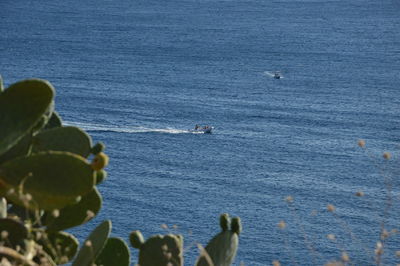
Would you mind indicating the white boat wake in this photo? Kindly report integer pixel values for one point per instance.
(272, 74)
(128, 129)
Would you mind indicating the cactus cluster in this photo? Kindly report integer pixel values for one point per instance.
(49, 175)
(48, 178)
(164, 250)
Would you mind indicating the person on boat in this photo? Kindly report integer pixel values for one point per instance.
(196, 127)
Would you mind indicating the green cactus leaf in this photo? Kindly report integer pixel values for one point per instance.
(59, 243)
(136, 239)
(52, 180)
(22, 106)
(236, 225)
(3, 208)
(44, 119)
(161, 250)
(222, 248)
(93, 245)
(77, 214)
(224, 221)
(22, 148)
(54, 121)
(16, 231)
(70, 139)
(115, 252)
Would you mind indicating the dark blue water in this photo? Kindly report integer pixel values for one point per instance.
(138, 74)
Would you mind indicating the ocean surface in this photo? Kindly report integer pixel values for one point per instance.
(137, 74)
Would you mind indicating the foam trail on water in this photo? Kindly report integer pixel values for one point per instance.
(267, 73)
(270, 74)
(131, 129)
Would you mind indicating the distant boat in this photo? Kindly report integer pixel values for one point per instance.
(204, 129)
(275, 74)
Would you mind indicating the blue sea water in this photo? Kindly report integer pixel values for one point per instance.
(138, 74)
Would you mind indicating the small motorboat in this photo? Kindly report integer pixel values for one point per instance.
(273, 74)
(200, 129)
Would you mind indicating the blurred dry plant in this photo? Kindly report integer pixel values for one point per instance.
(344, 258)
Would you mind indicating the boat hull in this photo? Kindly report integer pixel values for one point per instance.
(202, 130)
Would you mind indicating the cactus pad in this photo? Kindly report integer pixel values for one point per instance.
(162, 250)
(54, 121)
(93, 245)
(53, 180)
(76, 214)
(224, 221)
(236, 225)
(22, 106)
(115, 252)
(70, 139)
(222, 248)
(21, 148)
(136, 239)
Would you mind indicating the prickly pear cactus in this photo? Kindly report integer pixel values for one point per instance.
(158, 250)
(221, 250)
(48, 183)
